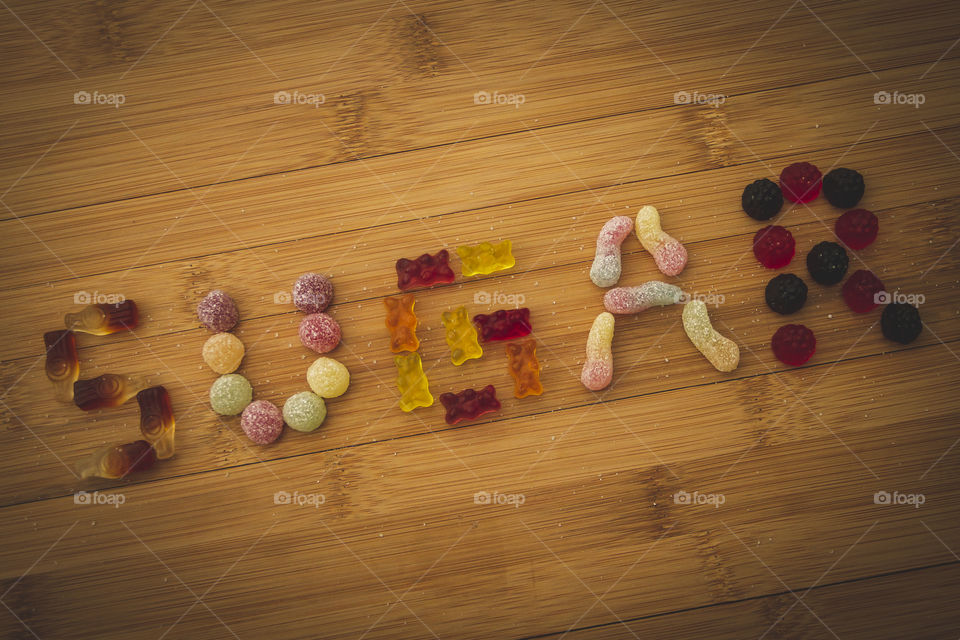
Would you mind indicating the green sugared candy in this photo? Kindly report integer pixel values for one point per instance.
(304, 411)
(230, 394)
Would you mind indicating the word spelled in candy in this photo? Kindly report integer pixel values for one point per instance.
(654, 293)
(524, 368)
(424, 271)
(118, 460)
(218, 312)
(262, 421)
(486, 258)
(412, 382)
(605, 271)
(223, 352)
(63, 365)
(328, 378)
(230, 394)
(156, 420)
(667, 252)
(469, 404)
(597, 370)
(723, 353)
(108, 390)
(461, 336)
(104, 319)
(402, 323)
(504, 324)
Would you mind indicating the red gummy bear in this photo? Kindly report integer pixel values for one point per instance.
(503, 324)
(469, 404)
(800, 182)
(861, 291)
(424, 271)
(793, 344)
(774, 246)
(857, 228)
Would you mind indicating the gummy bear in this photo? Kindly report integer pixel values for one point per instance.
(863, 291)
(503, 324)
(606, 267)
(402, 323)
(597, 370)
(104, 319)
(424, 271)
(461, 336)
(654, 293)
(469, 404)
(800, 182)
(108, 390)
(412, 382)
(857, 228)
(793, 344)
(63, 366)
(774, 246)
(723, 353)
(156, 420)
(667, 252)
(485, 258)
(524, 368)
(118, 460)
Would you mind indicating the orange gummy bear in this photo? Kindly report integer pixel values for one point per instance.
(402, 323)
(524, 368)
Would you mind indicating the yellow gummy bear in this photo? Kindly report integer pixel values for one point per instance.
(485, 258)
(461, 336)
(412, 382)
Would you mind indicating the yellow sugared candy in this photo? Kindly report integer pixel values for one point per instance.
(597, 370)
(328, 378)
(223, 352)
(667, 252)
(723, 353)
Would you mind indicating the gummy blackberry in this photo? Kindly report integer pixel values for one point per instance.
(843, 188)
(827, 263)
(786, 293)
(793, 344)
(762, 199)
(901, 322)
(800, 182)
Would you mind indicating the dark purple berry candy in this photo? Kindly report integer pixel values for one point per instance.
(827, 263)
(762, 199)
(843, 188)
(901, 322)
(786, 293)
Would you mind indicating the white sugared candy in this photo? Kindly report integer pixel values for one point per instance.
(328, 378)
(606, 267)
(654, 293)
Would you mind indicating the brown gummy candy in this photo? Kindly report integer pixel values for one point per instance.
(119, 460)
(104, 319)
(63, 366)
(108, 390)
(157, 423)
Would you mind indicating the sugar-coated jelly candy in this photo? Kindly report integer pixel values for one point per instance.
(863, 291)
(485, 258)
(597, 370)
(104, 319)
(605, 270)
(319, 332)
(793, 344)
(157, 423)
(857, 228)
(312, 293)
(223, 352)
(461, 336)
(217, 311)
(667, 252)
(901, 322)
(774, 246)
(63, 366)
(402, 323)
(723, 353)
(624, 300)
(108, 390)
(304, 411)
(424, 271)
(230, 394)
(843, 187)
(525, 368)
(800, 182)
(328, 378)
(412, 382)
(118, 461)
(469, 404)
(262, 421)
(504, 324)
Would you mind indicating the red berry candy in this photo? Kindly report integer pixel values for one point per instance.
(861, 290)
(774, 246)
(800, 182)
(793, 344)
(857, 228)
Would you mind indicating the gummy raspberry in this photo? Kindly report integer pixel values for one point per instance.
(786, 293)
(762, 199)
(857, 228)
(862, 291)
(774, 246)
(901, 322)
(793, 344)
(827, 263)
(800, 182)
(843, 187)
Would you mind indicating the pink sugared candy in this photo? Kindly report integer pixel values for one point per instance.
(857, 228)
(262, 421)
(312, 293)
(319, 332)
(605, 270)
(217, 311)
(861, 291)
(800, 182)
(667, 252)
(774, 246)
(793, 344)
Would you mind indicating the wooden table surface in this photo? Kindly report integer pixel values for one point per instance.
(146, 152)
